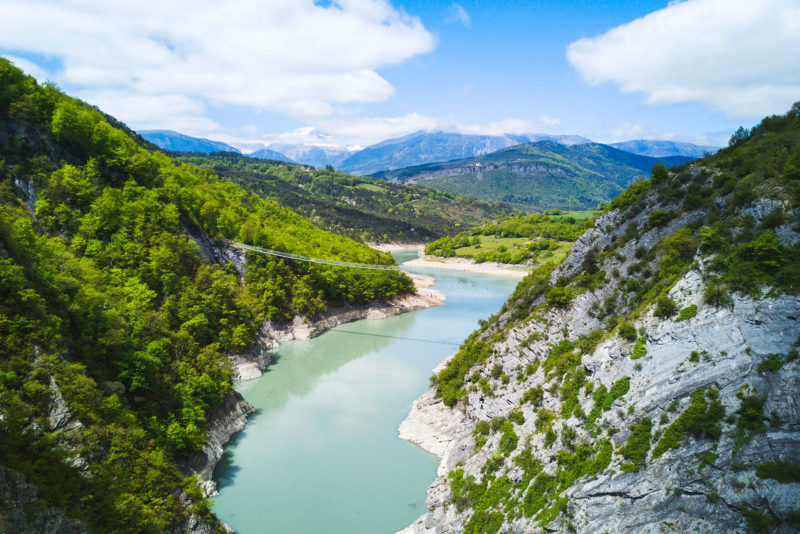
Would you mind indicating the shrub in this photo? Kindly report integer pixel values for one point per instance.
(750, 419)
(758, 521)
(765, 252)
(638, 444)
(716, 294)
(639, 349)
(533, 396)
(509, 439)
(700, 418)
(665, 307)
(771, 363)
(783, 472)
(497, 422)
(497, 370)
(659, 218)
(627, 330)
(687, 313)
(560, 297)
(659, 174)
(481, 429)
(516, 417)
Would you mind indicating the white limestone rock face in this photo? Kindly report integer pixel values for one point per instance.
(703, 485)
(224, 422)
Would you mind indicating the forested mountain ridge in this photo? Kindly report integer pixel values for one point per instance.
(178, 142)
(542, 175)
(647, 382)
(361, 208)
(115, 329)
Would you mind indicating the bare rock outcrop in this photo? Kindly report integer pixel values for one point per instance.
(226, 420)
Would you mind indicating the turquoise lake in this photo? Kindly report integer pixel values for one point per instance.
(322, 454)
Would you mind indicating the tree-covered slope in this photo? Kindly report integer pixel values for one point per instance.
(115, 326)
(542, 175)
(362, 208)
(647, 382)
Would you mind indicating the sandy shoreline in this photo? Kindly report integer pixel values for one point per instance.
(395, 247)
(464, 264)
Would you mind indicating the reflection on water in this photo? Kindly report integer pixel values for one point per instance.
(322, 453)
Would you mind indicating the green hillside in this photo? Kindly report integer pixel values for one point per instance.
(362, 208)
(109, 304)
(542, 175)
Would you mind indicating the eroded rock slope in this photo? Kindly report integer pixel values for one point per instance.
(650, 383)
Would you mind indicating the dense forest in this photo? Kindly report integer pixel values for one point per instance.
(109, 307)
(538, 238)
(362, 208)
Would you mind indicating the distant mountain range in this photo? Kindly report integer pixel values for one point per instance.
(178, 142)
(428, 147)
(310, 146)
(266, 153)
(307, 154)
(539, 175)
(660, 149)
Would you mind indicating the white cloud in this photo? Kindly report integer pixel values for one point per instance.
(31, 69)
(507, 126)
(741, 57)
(549, 122)
(363, 131)
(456, 14)
(626, 131)
(289, 56)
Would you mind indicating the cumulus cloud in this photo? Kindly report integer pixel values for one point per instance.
(149, 59)
(739, 57)
(456, 14)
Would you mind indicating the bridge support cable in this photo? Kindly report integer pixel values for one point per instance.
(309, 259)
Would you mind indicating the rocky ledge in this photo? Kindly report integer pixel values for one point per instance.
(226, 420)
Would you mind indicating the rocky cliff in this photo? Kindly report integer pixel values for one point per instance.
(224, 422)
(649, 383)
(24, 512)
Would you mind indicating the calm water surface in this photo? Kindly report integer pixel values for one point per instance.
(322, 454)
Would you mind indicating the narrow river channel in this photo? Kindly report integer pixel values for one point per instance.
(322, 454)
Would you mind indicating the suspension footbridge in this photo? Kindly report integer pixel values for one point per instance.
(309, 259)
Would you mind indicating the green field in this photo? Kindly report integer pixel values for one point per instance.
(521, 239)
(372, 187)
(491, 244)
(578, 215)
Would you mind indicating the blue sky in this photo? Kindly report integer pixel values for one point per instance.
(366, 70)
